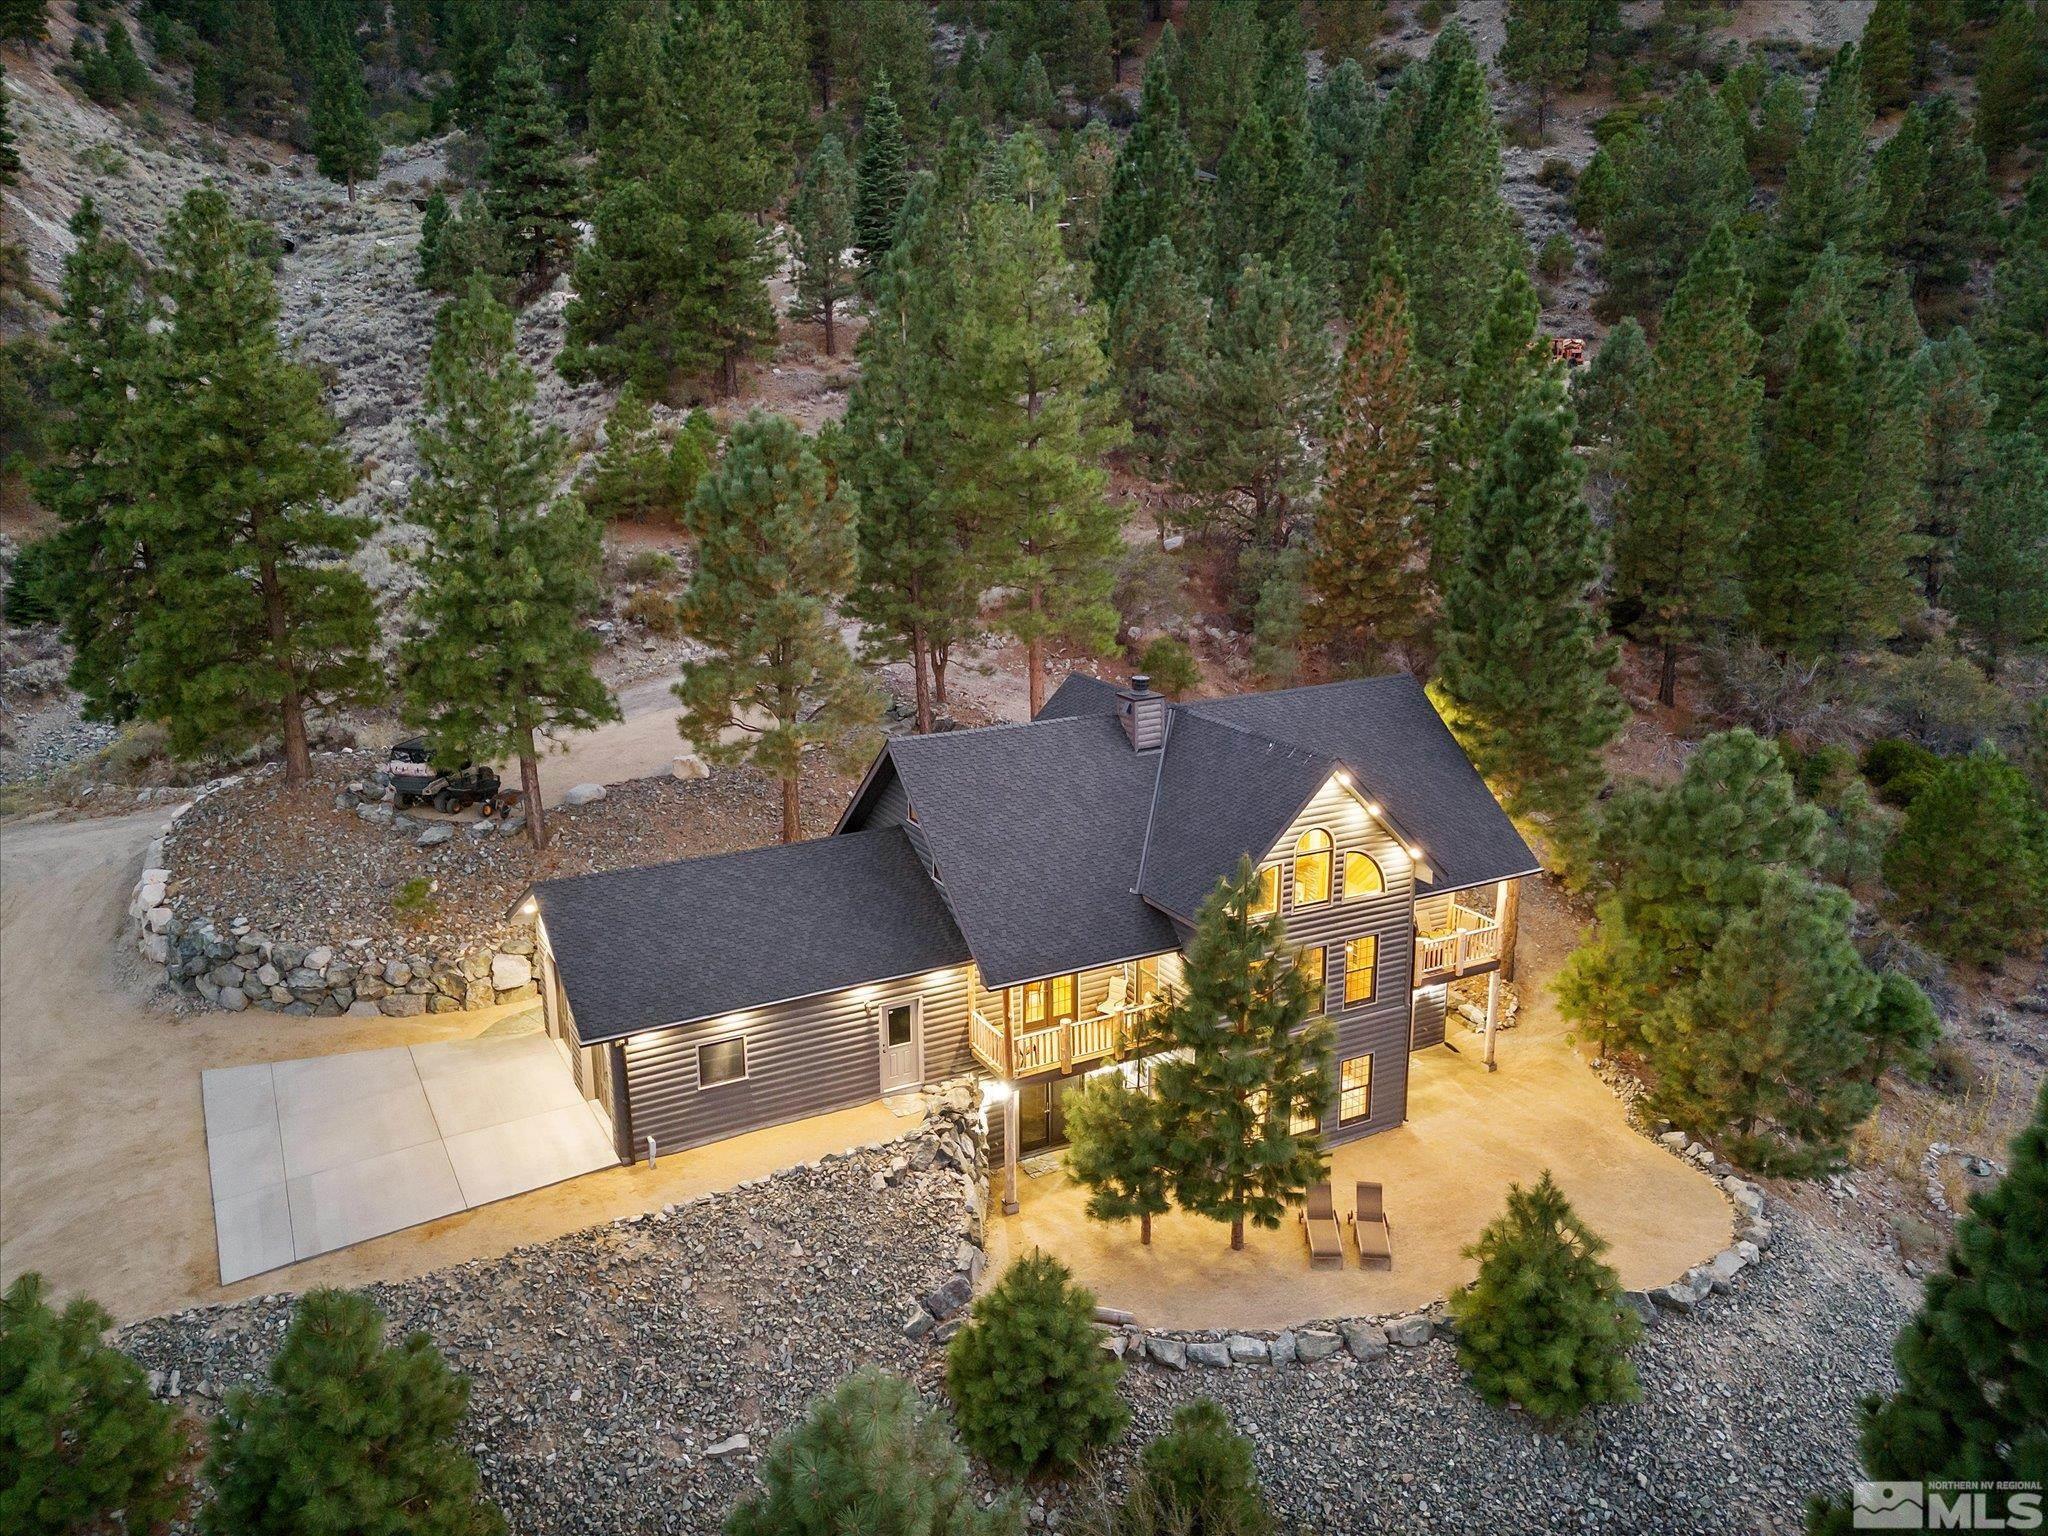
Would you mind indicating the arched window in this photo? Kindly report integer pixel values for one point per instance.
(1312, 868)
(1362, 875)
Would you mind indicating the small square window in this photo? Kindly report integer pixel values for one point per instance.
(1361, 964)
(1354, 1091)
(721, 1061)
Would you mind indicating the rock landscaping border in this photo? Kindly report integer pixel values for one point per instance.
(233, 965)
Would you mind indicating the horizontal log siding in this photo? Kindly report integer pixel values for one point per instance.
(1379, 1028)
(1432, 1003)
(804, 1058)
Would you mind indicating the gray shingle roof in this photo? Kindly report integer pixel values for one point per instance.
(668, 943)
(1385, 730)
(1224, 793)
(1036, 831)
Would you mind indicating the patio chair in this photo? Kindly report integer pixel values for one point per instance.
(1370, 1230)
(1319, 1226)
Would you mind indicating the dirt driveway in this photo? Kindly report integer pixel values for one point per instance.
(103, 1168)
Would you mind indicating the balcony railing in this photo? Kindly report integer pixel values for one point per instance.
(1059, 1047)
(1471, 942)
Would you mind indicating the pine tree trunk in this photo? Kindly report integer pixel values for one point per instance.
(298, 755)
(1667, 679)
(941, 658)
(529, 792)
(351, 186)
(920, 661)
(1237, 1234)
(1145, 1228)
(1034, 652)
(830, 332)
(792, 816)
(729, 373)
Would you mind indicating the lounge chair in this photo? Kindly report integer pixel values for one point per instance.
(1319, 1226)
(1369, 1229)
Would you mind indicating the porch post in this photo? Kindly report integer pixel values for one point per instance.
(1507, 911)
(1492, 1013)
(1010, 1152)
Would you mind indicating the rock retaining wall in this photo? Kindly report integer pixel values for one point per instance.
(233, 965)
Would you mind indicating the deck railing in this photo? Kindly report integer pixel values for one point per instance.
(1473, 940)
(1058, 1047)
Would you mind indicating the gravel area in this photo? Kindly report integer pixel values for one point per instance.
(297, 866)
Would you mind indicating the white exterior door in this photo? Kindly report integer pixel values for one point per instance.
(902, 1026)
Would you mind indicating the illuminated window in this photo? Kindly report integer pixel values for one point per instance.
(1303, 1122)
(1354, 1090)
(1266, 893)
(1362, 876)
(721, 1061)
(1361, 957)
(1314, 963)
(1312, 868)
(1062, 997)
(1044, 1002)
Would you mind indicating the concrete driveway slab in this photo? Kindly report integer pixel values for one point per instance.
(242, 1162)
(502, 1085)
(329, 1135)
(253, 1232)
(238, 1098)
(507, 1159)
(344, 1205)
(315, 1080)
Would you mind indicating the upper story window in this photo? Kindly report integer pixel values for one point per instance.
(1312, 868)
(1313, 962)
(1361, 967)
(1266, 893)
(1362, 875)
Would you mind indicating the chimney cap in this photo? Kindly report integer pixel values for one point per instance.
(1141, 682)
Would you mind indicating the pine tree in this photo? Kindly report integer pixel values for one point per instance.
(1969, 867)
(822, 218)
(1607, 393)
(10, 156)
(1543, 1324)
(1688, 469)
(1116, 1150)
(1886, 54)
(344, 143)
(470, 45)
(1242, 444)
(1780, 128)
(2008, 82)
(468, 244)
(1956, 454)
(1826, 201)
(1899, 1029)
(1935, 201)
(83, 1445)
(1348, 31)
(1506, 363)
(1152, 193)
(1272, 200)
(1343, 116)
(1971, 1382)
(1217, 72)
(1241, 1071)
(1033, 1390)
(2000, 586)
(775, 551)
(631, 477)
(534, 188)
(1367, 562)
(94, 479)
(24, 21)
(2013, 330)
(868, 1454)
(631, 108)
(255, 615)
(1825, 574)
(881, 177)
(497, 652)
(1089, 64)
(1769, 1043)
(1157, 335)
(434, 220)
(1523, 670)
(1546, 49)
(352, 1434)
(1676, 184)
(1031, 419)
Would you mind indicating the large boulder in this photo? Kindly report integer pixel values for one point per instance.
(510, 972)
(583, 794)
(402, 1005)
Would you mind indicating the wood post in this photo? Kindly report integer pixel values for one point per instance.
(1492, 1014)
(1010, 1152)
(1507, 911)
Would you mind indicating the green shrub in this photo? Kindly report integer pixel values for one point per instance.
(868, 1457)
(83, 1447)
(353, 1434)
(1969, 867)
(1032, 1388)
(1543, 1324)
(1898, 769)
(415, 903)
(654, 611)
(1558, 256)
(1557, 174)
(650, 565)
(1201, 1473)
(33, 582)
(1170, 664)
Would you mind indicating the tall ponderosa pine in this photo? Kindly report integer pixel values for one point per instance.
(1607, 393)
(1546, 49)
(83, 1444)
(1934, 204)
(1506, 364)
(1885, 55)
(1244, 433)
(2009, 81)
(1677, 183)
(534, 189)
(821, 216)
(2013, 330)
(352, 1434)
(1688, 467)
(344, 144)
(1366, 565)
(255, 615)
(1972, 1383)
(775, 551)
(1827, 200)
(1272, 199)
(881, 177)
(2000, 586)
(1116, 1150)
(1158, 333)
(1031, 417)
(1152, 192)
(1955, 456)
(94, 479)
(1242, 1071)
(497, 652)
(1969, 868)
(1523, 671)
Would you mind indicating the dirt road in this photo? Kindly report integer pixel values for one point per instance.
(103, 1179)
